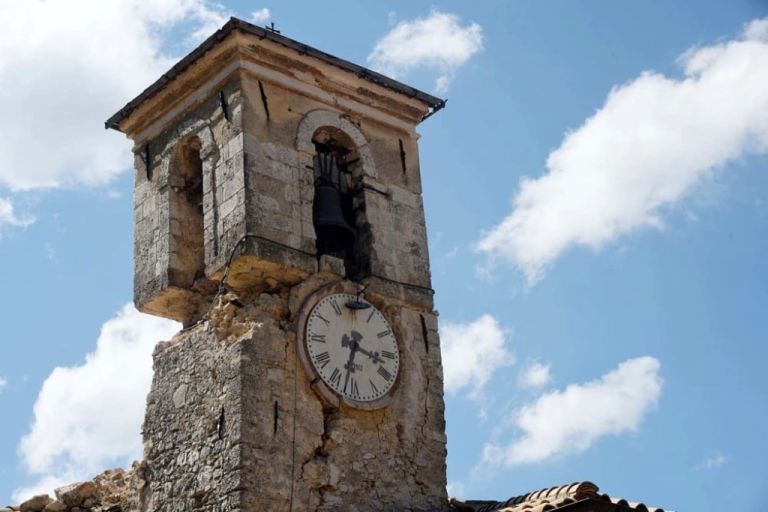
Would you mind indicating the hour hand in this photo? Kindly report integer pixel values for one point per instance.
(372, 355)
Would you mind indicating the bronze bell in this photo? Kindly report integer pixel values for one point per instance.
(332, 229)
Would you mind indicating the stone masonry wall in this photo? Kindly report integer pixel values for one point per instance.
(257, 180)
(159, 229)
(279, 150)
(233, 423)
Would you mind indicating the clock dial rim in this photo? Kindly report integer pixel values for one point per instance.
(326, 393)
(330, 318)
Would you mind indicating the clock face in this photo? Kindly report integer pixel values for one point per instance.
(353, 351)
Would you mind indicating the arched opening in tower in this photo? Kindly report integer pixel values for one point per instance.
(338, 207)
(186, 214)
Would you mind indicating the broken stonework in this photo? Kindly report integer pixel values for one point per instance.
(35, 503)
(83, 494)
(112, 491)
(251, 433)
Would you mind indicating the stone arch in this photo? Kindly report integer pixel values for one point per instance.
(323, 130)
(185, 211)
(318, 119)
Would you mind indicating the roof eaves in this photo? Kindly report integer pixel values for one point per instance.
(232, 24)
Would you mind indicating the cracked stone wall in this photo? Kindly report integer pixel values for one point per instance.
(233, 423)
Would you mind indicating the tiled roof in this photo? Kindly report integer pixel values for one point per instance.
(554, 498)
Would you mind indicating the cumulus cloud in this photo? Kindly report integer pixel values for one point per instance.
(535, 376)
(260, 16)
(438, 42)
(88, 417)
(472, 353)
(9, 216)
(650, 143)
(570, 421)
(66, 66)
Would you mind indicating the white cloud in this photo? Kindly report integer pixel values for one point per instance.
(535, 376)
(9, 217)
(88, 417)
(3, 384)
(652, 141)
(66, 66)
(569, 421)
(260, 16)
(456, 490)
(711, 463)
(472, 353)
(438, 42)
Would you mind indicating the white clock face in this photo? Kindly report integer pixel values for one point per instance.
(354, 351)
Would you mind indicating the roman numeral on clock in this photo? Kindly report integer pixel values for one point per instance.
(387, 354)
(373, 386)
(322, 359)
(335, 378)
(352, 385)
(318, 338)
(385, 373)
(336, 308)
(382, 334)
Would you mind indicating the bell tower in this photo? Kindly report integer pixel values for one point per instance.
(278, 214)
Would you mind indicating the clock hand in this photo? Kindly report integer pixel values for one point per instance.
(357, 337)
(372, 355)
(353, 348)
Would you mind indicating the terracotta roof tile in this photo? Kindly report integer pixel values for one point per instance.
(551, 498)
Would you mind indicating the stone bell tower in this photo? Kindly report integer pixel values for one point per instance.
(278, 215)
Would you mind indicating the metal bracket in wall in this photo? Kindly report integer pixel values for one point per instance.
(402, 156)
(264, 99)
(371, 184)
(147, 162)
(224, 105)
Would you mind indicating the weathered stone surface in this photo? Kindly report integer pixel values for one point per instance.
(78, 494)
(118, 488)
(55, 506)
(252, 433)
(115, 490)
(36, 503)
(255, 181)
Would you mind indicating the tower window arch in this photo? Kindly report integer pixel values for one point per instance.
(186, 244)
(338, 209)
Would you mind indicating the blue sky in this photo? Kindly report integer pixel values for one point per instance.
(596, 205)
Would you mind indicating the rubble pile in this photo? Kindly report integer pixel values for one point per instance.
(111, 491)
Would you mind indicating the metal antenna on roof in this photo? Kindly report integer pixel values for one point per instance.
(272, 28)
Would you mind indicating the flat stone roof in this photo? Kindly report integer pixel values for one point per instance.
(234, 24)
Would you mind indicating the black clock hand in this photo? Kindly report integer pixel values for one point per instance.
(357, 337)
(353, 348)
(372, 355)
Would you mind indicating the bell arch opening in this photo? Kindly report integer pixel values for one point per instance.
(186, 244)
(338, 209)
